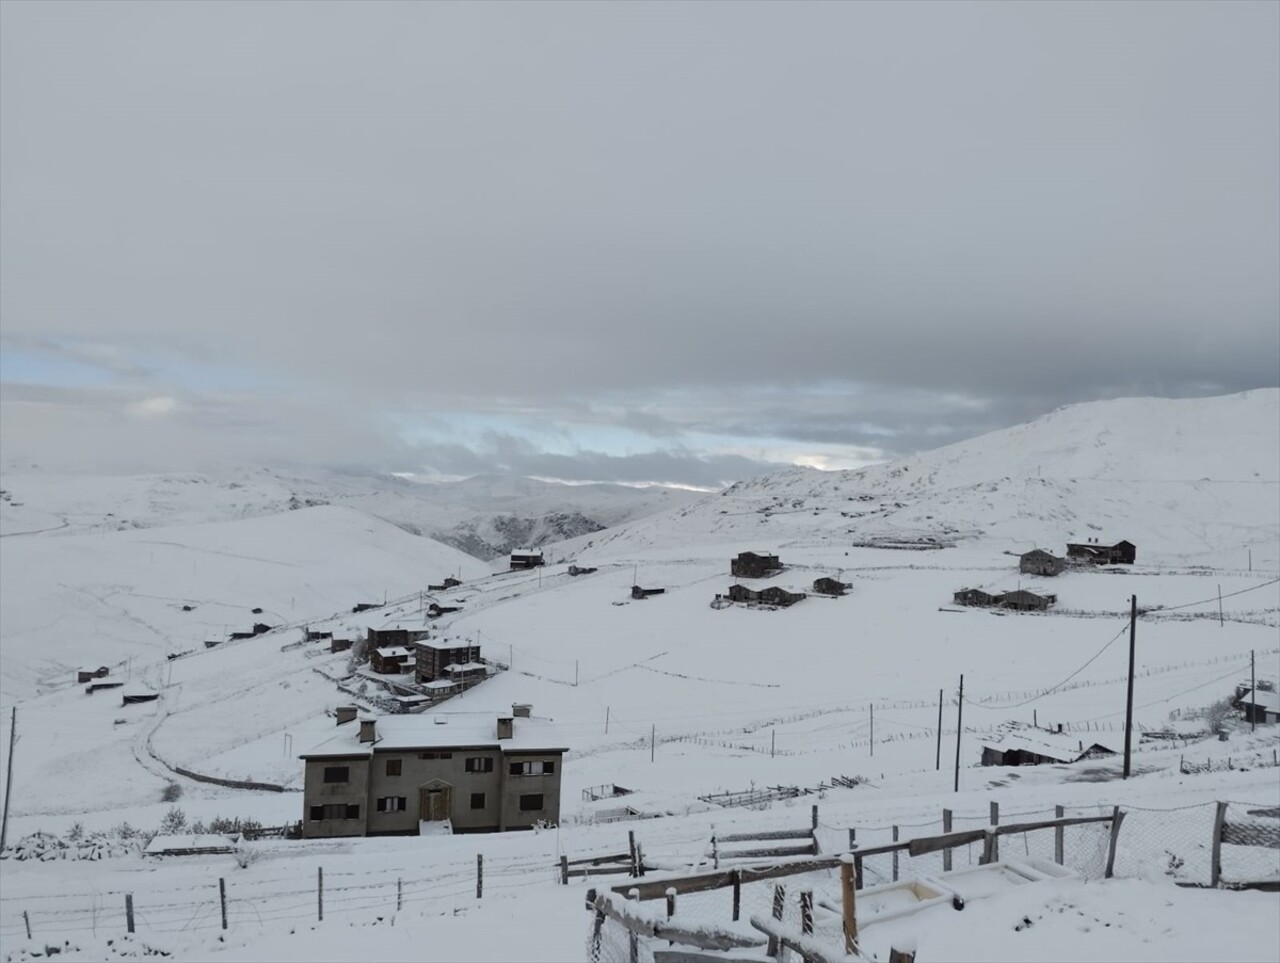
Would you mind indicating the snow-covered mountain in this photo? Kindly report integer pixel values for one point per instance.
(485, 516)
(1185, 479)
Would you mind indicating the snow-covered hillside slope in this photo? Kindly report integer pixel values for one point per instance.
(1191, 480)
(108, 597)
(485, 516)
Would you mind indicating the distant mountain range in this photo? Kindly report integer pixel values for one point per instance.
(485, 516)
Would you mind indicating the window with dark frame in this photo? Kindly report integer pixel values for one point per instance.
(477, 800)
(393, 767)
(531, 802)
(479, 764)
(533, 768)
(392, 804)
(337, 774)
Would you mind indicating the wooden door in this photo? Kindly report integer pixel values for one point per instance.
(434, 804)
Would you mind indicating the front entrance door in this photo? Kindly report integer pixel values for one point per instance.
(434, 803)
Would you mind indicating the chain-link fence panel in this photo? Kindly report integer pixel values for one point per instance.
(1166, 843)
(1250, 847)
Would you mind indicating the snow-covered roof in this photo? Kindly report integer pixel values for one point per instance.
(1063, 746)
(442, 729)
(450, 644)
(394, 652)
(465, 667)
(395, 625)
(1263, 699)
(440, 684)
(191, 844)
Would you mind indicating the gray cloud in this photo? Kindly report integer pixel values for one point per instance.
(667, 218)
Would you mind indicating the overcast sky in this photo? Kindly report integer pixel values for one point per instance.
(678, 242)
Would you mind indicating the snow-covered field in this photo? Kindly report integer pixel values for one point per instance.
(676, 699)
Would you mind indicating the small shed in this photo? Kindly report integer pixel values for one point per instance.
(580, 570)
(754, 565)
(87, 675)
(1019, 744)
(364, 607)
(137, 694)
(740, 593)
(774, 595)
(466, 671)
(93, 687)
(1024, 601)
(830, 586)
(205, 844)
(1039, 562)
(972, 596)
(643, 593)
(340, 645)
(1260, 706)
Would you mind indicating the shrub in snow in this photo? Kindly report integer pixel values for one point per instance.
(245, 857)
(174, 822)
(171, 793)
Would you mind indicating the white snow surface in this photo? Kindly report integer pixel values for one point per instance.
(720, 699)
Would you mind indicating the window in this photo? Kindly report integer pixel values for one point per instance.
(479, 764)
(337, 773)
(477, 800)
(334, 811)
(534, 768)
(391, 804)
(393, 767)
(531, 802)
(435, 755)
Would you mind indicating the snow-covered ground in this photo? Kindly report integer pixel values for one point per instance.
(674, 698)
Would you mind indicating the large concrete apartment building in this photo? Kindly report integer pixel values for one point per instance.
(407, 774)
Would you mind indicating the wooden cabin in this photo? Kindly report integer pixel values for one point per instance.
(1121, 553)
(1019, 744)
(391, 660)
(972, 596)
(643, 593)
(830, 586)
(775, 595)
(1024, 601)
(754, 565)
(1039, 562)
(526, 558)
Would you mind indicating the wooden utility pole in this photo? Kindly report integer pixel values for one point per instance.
(1128, 707)
(873, 729)
(320, 892)
(959, 729)
(938, 764)
(1220, 621)
(653, 739)
(1253, 694)
(222, 900)
(8, 779)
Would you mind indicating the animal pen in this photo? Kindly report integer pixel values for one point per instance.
(815, 906)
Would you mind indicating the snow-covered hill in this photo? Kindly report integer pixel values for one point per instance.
(1187, 480)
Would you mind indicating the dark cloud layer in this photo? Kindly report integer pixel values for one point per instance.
(694, 217)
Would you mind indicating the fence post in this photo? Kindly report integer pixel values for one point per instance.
(128, 911)
(946, 828)
(779, 901)
(715, 849)
(857, 870)
(631, 847)
(806, 912)
(995, 839)
(564, 870)
(320, 892)
(633, 942)
(737, 894)
(222, 900)
(1117, 817)
(901, 956)
(895, 855)
(598, 924)
(849, 905)
(814, 817)
(1215, 862)
(479, 875)
(399, 894)
(853, 837)
(671, 901)
(1059, 835)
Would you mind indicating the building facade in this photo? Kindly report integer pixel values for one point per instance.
(401, 775)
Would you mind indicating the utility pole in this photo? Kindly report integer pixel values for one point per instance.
(1219, 606)
(606, 720)
(8, 779)
(575, 672)
(1128, 706)
(873, 729)
(959, 729)
(1253, 694)
(938, 764)
(653, 738)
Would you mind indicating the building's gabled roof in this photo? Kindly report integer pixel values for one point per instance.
(1037, 553)
(395, 625)
(443, 644)
(394, 652)
(1270, 701)
(465, 667)
(1062, 746)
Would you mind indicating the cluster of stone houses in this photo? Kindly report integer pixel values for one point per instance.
(761, 565)
(461, 771)
(1019, 600)
(1039, 562)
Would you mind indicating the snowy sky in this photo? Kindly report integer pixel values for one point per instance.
(670, 242)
